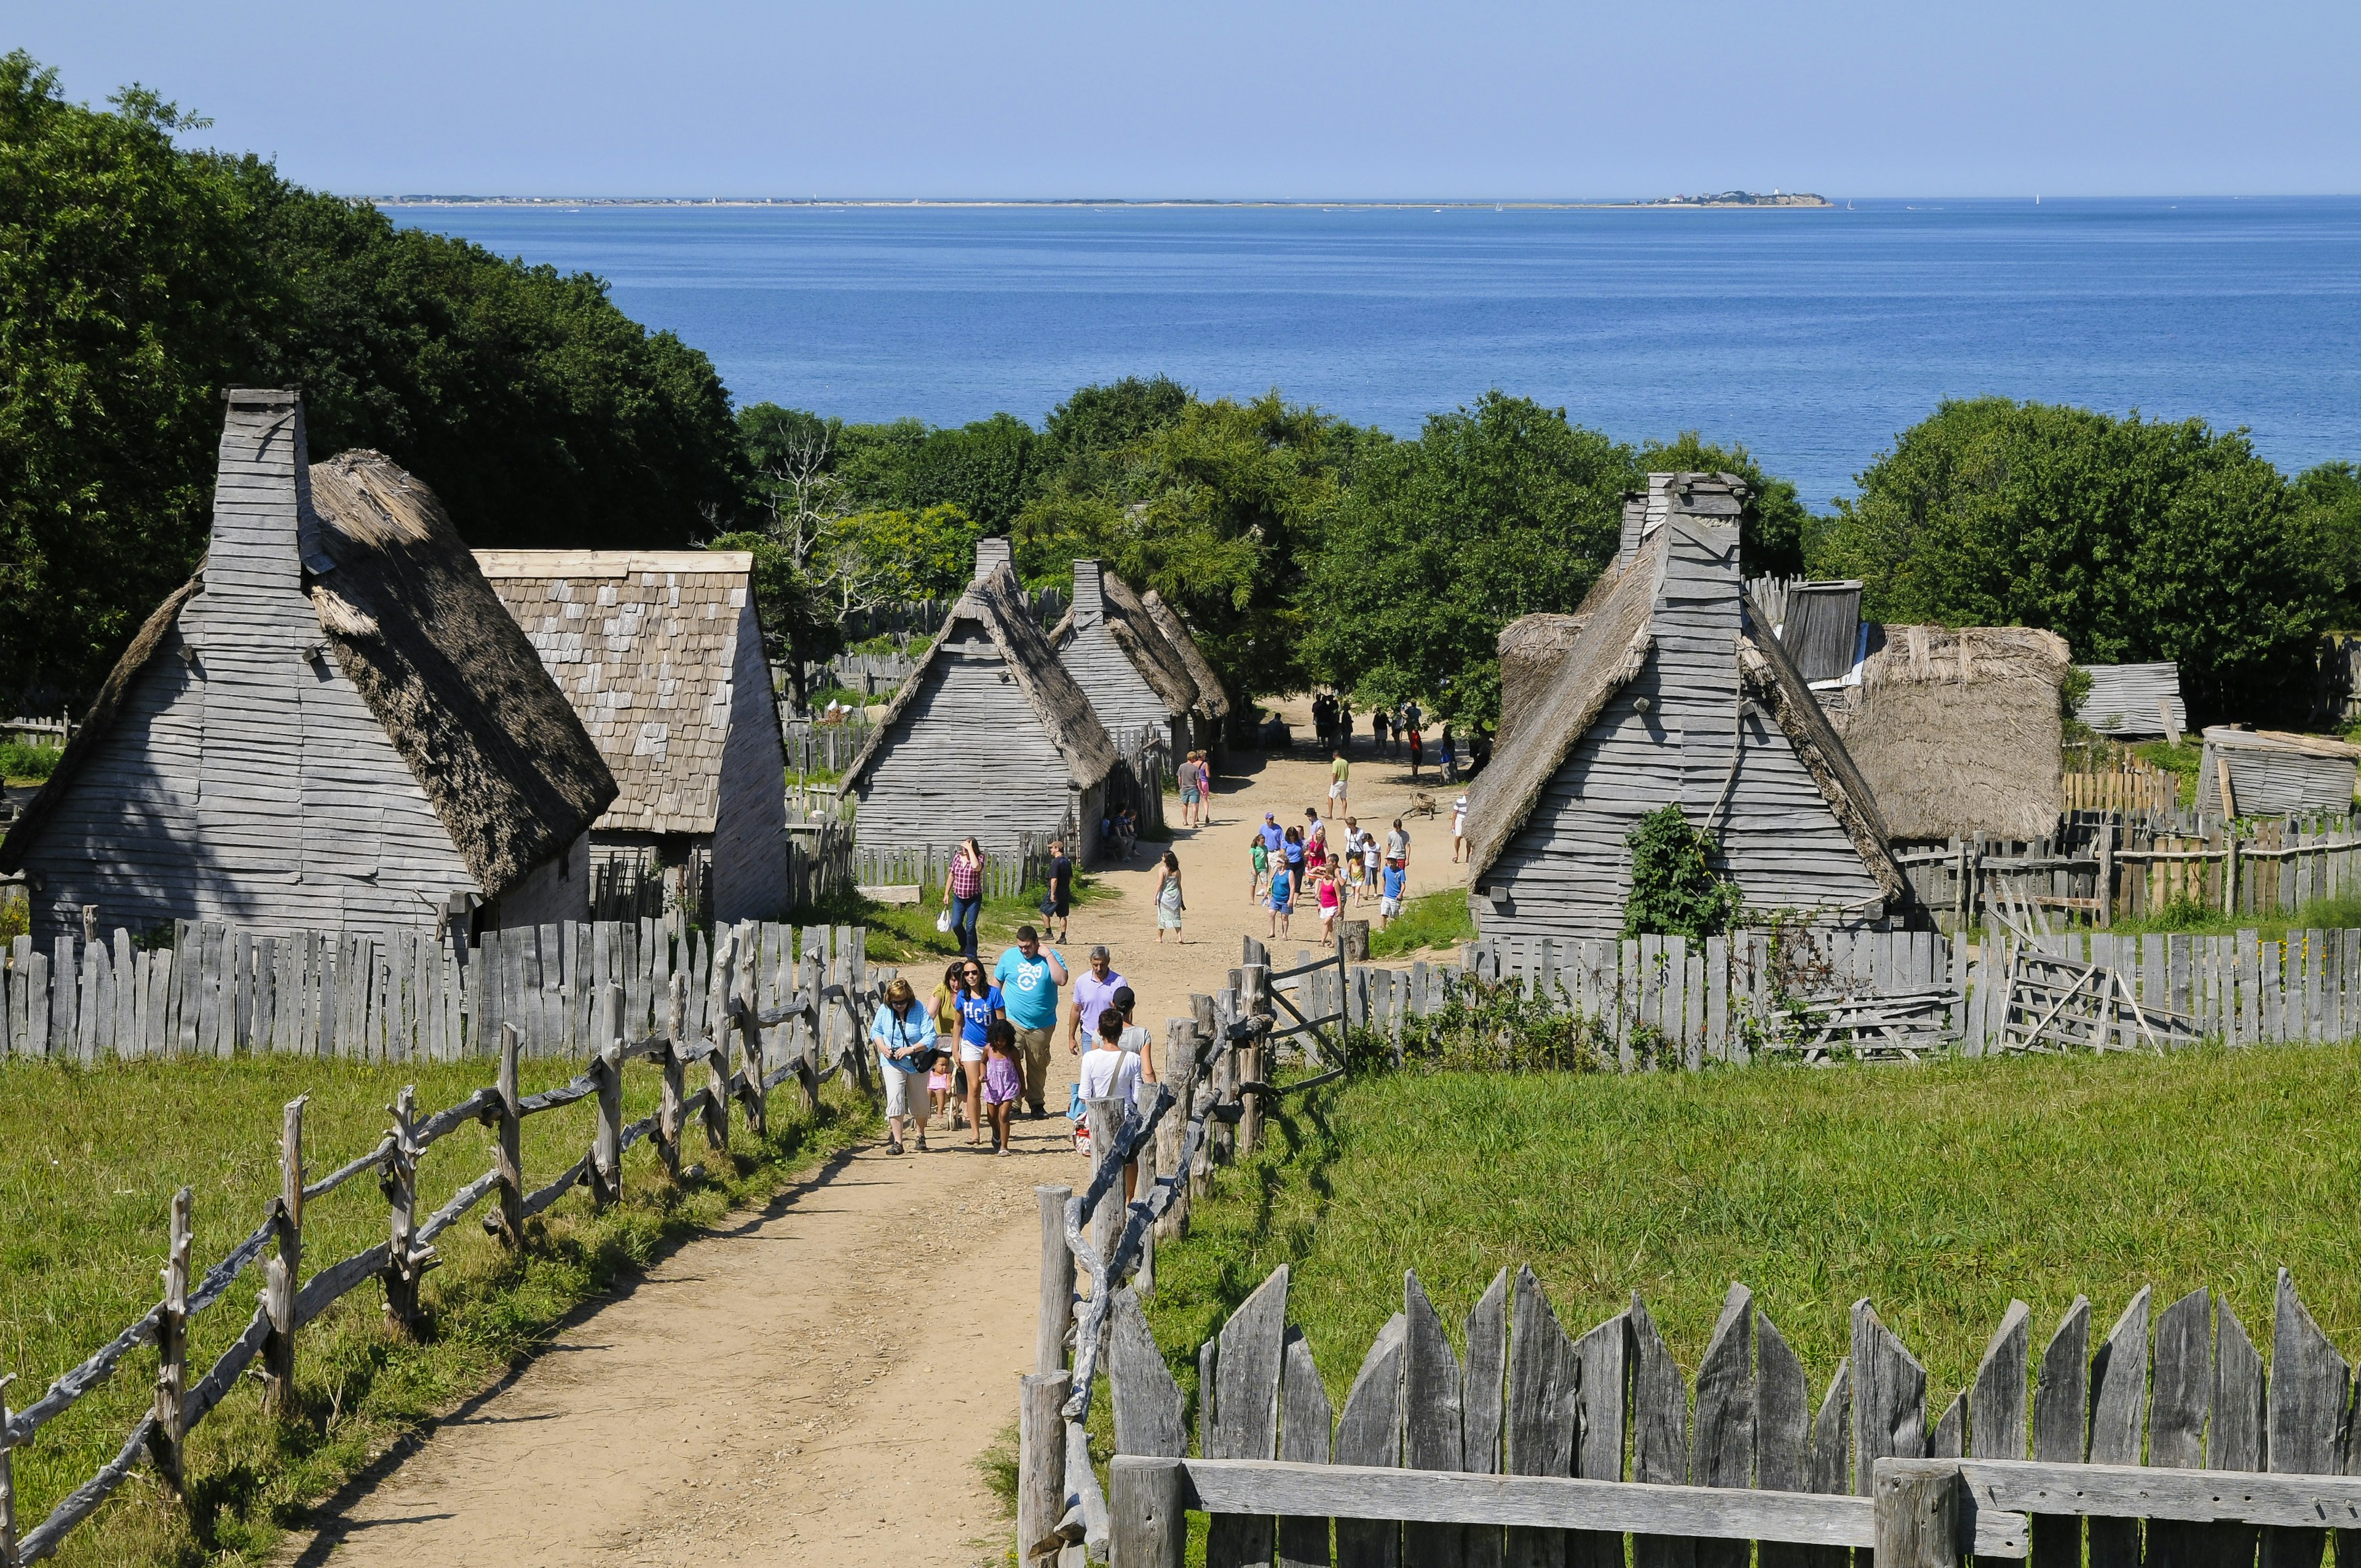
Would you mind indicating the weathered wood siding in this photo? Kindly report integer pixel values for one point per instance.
(750, 839)
(246, 780)
(968, 756)
(1118, 692)
(2268, 781)
(1567, 872)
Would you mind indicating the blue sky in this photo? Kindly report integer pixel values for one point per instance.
(1214, 99)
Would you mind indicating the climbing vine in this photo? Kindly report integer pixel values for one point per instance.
(1676, 891)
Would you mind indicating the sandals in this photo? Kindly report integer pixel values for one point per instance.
(894, 1145)
(922, 1143)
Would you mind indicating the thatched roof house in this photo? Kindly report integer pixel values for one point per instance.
(989, 735)
(1957, 731)
(1530, 647)
(2267, 772)
(1212, 706)
(333, 724)
(2135, 702)
(1125, 663)
(661, 655)
(1670, 695)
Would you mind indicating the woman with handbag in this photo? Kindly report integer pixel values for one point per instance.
(964, 895)
(903, 1033)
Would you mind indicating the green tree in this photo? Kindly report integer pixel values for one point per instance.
(127, 298)
(887, 556)
(2135, 539)
(1494, 511)
(1773, 528)
(985, 469)
(2328, 502)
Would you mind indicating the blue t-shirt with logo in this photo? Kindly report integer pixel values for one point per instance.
(1026, 991)
(1395, 877)
(975, 1014)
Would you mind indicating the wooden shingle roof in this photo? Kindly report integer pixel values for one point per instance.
(643, 644)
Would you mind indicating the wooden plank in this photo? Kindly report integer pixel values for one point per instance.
(2310, 1385)
(1246, 1412)
(2118, 1403)
(1433, 1433)
(1481, 1413)
(1950, 1436)
(2061, 1397)
(1303, 1439)
(2096, 1491)
(1996, 1397)
(1889, 1396)
(1783, 1419)
(2178, 1400)
(1540, 1420)
(1723, 1454)
(1660, 1434)
(1370, 1434)
(1150, 1414)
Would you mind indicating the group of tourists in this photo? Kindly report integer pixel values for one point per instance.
(1291, 865)
(1397, 731)
(981, 1044)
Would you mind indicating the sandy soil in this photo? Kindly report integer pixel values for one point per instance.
(814, 1385)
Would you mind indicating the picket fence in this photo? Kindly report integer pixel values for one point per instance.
(1005, 875)
(814, 1028)
(1516, 1450)
(398, 996)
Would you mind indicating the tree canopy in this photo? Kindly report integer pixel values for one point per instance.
(2135, 539)
(138, 278)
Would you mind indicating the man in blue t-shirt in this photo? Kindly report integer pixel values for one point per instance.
(1389, 906)
(1028, 976)
(1272, 836)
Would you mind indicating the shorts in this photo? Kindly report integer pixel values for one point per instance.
(1390, 907)
(1188, 797)
(1336, 790)
(902, 1090)
(968, 1051)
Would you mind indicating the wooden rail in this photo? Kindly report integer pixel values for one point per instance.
(767, 1057)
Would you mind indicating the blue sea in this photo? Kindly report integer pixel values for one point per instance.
(1811, 335)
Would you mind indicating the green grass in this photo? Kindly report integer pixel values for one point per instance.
(1939, 1192)
(2189, 917)
(906, 934)
(2182, 761)
(1437, 919)
(89, 1160)
(24, 764)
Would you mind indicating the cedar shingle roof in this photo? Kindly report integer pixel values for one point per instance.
(642, 643)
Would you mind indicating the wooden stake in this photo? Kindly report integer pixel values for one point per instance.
(752, 1058)
(1916, 1514)
(281, 1272)
(8, 1482)
(607, 1144)
(1041, 1459)
(512, 1139)
(1057, 1280)
(170, 1436)
(402, 1195)
(716, 1033)
(668, 1114)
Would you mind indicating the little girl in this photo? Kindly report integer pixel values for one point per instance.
(1003, 1080)
(939, 1090)
(1332, 897)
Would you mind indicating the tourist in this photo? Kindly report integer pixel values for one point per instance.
(1111, 1072)
(1372, 861)
(1281, 899)
(1003, 1080)
(1352, 855)
(1260, 859)
(1339, 770)
(1091, 992)
(1127, 833)
(1448, 762)
(1168, 900)
(1377, 732)
(1192, 790)
(1028, 975)
(1417, 752)
(1458, 827)
(1390, 907)
(978, 1006)
(904, 1035)
(1291, 853)
(1332, 899)
(944, 1003)
(1060, 898)
(1135, 1037)
(964, 894)
(1398, 845)
(1344, 729)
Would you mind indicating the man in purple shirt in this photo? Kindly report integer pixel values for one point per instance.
(1092, 990)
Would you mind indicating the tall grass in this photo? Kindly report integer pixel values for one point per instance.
(1939, 1192)
(1437, 919)
(21, 763)
(89, 1160)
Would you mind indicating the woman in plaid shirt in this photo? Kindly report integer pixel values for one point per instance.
(965, 892)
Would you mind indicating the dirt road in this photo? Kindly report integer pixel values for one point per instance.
(815, 1385)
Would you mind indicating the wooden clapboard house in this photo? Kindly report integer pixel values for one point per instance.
(1669, 694)
(1134, 676)
(332, 725)
(661, 655)
(988, 737)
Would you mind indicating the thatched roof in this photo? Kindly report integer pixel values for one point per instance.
(1607, 652)
(1142, 641)
(1531, 647)
(422, 636)
(645, 644)
(1213, 699)
(1957, 731)
(460, 692)
(995, 602)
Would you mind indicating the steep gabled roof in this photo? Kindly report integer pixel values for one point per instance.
(995, 603)
(644, 645)
(1143, 644)
(1772, 679)
(1212, 700)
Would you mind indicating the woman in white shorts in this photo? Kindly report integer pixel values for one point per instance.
(978, 1003)
(903, 1033)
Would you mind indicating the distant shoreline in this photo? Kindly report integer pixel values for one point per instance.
(1736, 201)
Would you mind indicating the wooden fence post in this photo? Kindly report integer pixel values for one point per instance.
(668, 1117)
(1106, 1220)
(607, 1147)
(1180, 1036)
(511, 1156)
(1147, 1517)
(281, 1272)
(1057, 1280)
(1040, 1458)
(750, 1045)
(401, 1197)
(1916, 1514)
(716, 1042)
(170, 1433)
(8, 1482)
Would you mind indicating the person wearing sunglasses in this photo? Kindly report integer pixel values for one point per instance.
(978, 1004)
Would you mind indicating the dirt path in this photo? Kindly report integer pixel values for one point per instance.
(815, 1385)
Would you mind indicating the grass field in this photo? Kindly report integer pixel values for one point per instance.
(1437, 919)
(905, 933)
(89, 1161)
(1938, 1192)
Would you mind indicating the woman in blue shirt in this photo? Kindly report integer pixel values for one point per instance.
(977, 1004)
(903, 1033)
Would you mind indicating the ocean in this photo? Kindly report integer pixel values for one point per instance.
(1812, 337)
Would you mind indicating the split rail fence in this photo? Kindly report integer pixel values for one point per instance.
(809, 1034)
(1515, 1452)
(382, 996)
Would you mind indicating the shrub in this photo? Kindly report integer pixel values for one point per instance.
(1674, 890)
